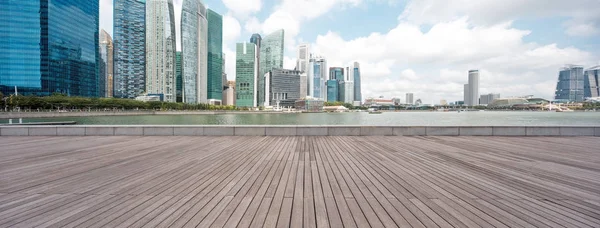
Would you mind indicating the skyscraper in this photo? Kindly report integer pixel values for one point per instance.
(49, 46)
(303, 57)
(591, 83)
(129, 36)
(488, 98)
(215, 57)
(283, 87)
(409, 98)
(271, 57)
(346, 93)
(570, 85)
(336, 75)
(194, 30)
(473, 88)
(257, 40)
(317, 76)
(178, 77)
(106, 55)
(466, 95)
(160, 49)
(357, 84)
(245, 78)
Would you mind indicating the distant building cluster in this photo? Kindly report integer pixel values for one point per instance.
(576, 84)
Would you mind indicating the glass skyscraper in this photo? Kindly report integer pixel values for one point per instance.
(271, 57)
(160, 49)
(317, 75)
(246, 78)
(332, 90)
(129, 37)
(106, 70)
(49, 46)
(591, 83)
(194, 29)
(357, 84)
(215, 57)
(178, 77)
(569, 87)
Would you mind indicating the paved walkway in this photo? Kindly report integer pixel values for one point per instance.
(299, 182)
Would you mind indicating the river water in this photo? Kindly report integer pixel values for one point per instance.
(486, 118)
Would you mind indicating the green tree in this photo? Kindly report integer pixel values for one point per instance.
(1, 95)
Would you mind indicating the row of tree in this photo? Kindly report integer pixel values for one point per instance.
(62, 102)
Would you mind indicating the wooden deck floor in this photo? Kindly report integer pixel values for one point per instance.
(299, 182)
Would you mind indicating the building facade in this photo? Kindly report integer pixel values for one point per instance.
(178, 78)
(129, 37)
(466, 95)
(49, 47)
(303, 57)
(357, 83)
(215, 57)
(194, 33)
(229, 93)
(245, 78)
(283, 87)
(160, 49)
(590, 82)
(488, 98)
(333, 90)
(473, 88)
(410, 98)
(570, 85)
(106, 70)
(271, 57)
(317, 76)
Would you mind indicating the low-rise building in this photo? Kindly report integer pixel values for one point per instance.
(310, 104)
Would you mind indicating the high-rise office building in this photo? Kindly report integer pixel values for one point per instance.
(346, 88)
(410, 98)
(194, 44)
(303, 84)
(474, 87)
(282, 87)
(106, 71)
(160, 49)
(591, 83)
(215, 57)
(129, 37)
(49, 46)
(466, 95)
(570, 85)
(488, 98)
(271, 57)
(317, 76)
(357, 83)
(178, 77)
(333, 90)
(303, 57)
(245, 78)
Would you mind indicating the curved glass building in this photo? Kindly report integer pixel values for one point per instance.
(271, 57)
(129, 47)
(160, 49)
(49, 46)
(194, 31)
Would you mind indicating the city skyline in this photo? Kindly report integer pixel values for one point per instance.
(428, 52)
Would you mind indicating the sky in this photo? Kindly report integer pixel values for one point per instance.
(425, 47)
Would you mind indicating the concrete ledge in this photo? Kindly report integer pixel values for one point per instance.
(281, 131)
(250, 131)
(99, 131)
(312, 131)
(543, 131)
(70, 131)
(409, 131)
(442, 131)
(509, 131)
(376, 131)
(129, 131)
(598, 132)
(188, 131)
(42, 131)
(343, 131)
(218, 131)
(475, 131)
(14, 131)
(577, 131)
(158, 131)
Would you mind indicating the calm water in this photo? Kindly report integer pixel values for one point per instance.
(385, 119)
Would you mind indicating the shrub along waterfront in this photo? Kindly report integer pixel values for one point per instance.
(62, 102)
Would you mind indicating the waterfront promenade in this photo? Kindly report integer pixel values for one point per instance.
(299, 181)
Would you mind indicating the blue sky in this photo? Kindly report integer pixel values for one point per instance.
(424, 47)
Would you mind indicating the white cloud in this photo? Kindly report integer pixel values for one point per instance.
(231, 29)
(243, 8)
(582, 29)
(106, 16)
(253, 25)
(433, 64)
